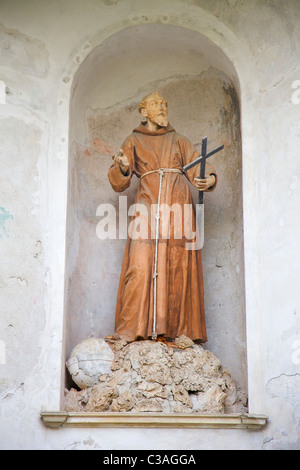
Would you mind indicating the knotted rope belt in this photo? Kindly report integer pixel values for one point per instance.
(161, 172)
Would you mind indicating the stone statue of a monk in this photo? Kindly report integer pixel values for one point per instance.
(154, 149)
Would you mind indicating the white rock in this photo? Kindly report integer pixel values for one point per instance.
(150, 376)
(90, 359)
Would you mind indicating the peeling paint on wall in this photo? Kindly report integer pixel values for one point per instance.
(23, 53)
(287, 388)
(2, 92)
(4, 217)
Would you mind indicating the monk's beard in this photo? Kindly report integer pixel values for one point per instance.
(159, 119)
(162, 121)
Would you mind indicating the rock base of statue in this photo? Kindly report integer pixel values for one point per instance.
(153, 376)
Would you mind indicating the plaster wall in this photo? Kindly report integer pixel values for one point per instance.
(42, 45)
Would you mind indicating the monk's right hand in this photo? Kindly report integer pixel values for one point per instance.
(122, 161)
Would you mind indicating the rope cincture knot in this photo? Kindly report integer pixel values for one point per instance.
(162, 172)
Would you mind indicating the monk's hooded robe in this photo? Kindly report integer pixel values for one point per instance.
(179, 296)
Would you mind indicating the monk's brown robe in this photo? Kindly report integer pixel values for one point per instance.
(180, 299)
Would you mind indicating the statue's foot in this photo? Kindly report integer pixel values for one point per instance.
(167, 341)
(113, 338)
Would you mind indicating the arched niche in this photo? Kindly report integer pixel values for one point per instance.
(202, 89)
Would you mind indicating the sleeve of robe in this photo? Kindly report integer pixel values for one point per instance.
(189, 154)
(118, 181)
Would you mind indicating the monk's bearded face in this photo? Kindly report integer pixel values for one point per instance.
(156, 110)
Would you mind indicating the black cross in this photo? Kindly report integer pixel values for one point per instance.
(202, 160)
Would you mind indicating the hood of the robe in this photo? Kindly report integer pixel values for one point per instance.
(142, 129)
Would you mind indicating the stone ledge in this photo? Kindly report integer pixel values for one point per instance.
(153, 420)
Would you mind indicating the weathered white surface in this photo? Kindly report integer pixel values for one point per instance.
(42, 45)
(2, 92)
(90, 359)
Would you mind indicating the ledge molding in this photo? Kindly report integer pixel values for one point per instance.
(62, 419)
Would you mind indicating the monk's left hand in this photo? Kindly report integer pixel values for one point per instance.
(205, 183)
